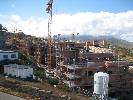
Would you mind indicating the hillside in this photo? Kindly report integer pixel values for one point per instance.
(112, 40)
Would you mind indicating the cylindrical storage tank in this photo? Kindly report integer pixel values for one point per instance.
(101, 83)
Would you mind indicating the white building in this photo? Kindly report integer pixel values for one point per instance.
(10, 55)
(101, 85)
(21, 71)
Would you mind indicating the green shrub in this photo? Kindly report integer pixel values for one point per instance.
(39, 72)
(53, 81)
(64, 87)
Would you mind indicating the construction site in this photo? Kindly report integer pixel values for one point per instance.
(77, 61)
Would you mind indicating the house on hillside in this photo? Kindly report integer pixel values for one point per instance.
(20, 71)
(8, 55)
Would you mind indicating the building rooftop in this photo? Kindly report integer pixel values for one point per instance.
(2, 51)
(18, 66)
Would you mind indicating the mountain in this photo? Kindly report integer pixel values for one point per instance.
(110, 39)
(21, 35)
(117, 41)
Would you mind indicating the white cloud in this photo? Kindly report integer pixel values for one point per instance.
(102, 23)
(15, 18)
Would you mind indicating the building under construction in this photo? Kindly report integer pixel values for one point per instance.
(78, 61)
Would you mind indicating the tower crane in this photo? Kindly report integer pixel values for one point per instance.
(49, 11)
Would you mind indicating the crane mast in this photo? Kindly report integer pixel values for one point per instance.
(49, 11)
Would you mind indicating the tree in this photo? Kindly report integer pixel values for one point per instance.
(40, 73)
(53, 81)
(2, 29)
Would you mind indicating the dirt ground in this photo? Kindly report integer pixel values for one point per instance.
(45, 86)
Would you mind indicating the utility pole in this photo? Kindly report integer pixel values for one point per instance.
(49, 11)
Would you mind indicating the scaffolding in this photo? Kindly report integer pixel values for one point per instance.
(49, 11)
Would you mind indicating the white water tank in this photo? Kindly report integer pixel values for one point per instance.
(101, 83)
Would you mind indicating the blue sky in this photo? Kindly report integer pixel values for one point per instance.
(92, 17)
(94, 5)
(27, 8)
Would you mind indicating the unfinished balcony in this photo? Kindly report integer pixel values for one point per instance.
(70, 83)
(72, 75)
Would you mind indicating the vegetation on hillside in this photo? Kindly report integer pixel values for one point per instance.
(40, 73)
(124, 53)
(25, 59)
